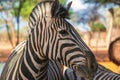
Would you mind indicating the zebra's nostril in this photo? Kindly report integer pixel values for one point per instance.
(92, 66)
(82, 78)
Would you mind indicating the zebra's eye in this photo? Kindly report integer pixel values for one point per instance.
(63, 32)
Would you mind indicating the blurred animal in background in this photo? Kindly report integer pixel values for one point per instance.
(114, 52)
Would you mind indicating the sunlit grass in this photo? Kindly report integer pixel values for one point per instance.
(110, 66)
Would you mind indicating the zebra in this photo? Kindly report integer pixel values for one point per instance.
(101, 74)
(51, 38)
(69, 74)
(114, 52)
(54, 68)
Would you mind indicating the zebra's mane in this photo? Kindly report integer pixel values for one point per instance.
(39, 11)
(48, 8)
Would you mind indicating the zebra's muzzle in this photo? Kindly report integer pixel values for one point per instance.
(83, 71)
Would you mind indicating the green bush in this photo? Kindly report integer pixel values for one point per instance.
(98, 27)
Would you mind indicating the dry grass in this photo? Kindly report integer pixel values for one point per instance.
(110, 66)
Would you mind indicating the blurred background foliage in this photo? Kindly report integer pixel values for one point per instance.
(97, 27)
(14, 15)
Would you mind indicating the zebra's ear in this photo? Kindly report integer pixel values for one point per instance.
(69, 5)
(55, 7)
(58, 10)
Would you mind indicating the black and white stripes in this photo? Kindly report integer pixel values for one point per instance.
(101, 74)
(51, 38)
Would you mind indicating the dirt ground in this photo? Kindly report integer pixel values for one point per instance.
(5, 50)
(100, 54)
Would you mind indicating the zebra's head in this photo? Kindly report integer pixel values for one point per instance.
(67, 47)
(57, 39)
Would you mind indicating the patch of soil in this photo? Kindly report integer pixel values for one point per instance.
(5, 50)
(4, 54)
(101, 55)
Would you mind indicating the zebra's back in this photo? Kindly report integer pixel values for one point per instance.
(13, 61)
(54, 68)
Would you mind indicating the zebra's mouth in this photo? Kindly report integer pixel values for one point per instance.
(83, 71)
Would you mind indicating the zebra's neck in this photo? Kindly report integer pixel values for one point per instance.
(34, 63)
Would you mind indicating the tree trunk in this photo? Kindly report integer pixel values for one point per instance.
(13, 33)
(8, 32)
(10, 28)
(110, 25)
